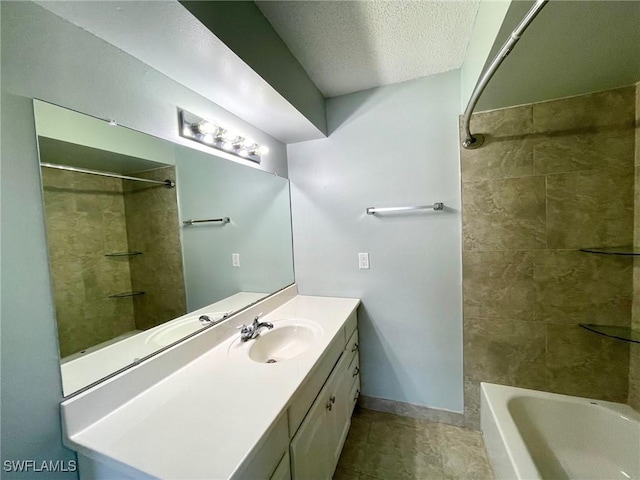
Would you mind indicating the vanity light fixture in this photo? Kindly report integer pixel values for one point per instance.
(213, 135)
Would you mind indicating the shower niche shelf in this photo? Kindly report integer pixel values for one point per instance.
(621, 333)
(626, 250)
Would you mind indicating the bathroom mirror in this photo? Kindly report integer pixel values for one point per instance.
(145, 236)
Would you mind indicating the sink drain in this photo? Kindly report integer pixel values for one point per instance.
(271, 360)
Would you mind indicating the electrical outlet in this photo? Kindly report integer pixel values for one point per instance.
(235, 259)
(363, 261)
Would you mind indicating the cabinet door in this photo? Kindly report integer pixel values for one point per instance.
(283, 471)
(310, 448)
(339, 418)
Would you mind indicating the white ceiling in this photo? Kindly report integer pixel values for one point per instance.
(346, 46)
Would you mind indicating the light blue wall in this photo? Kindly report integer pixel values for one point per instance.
(46, 57)
(31, 386)
(260, 228)
(391, 146)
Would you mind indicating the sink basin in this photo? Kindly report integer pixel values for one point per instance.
(288, 339)
(177, 329)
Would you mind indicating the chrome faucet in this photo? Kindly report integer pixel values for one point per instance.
(253, 331)
(207, 320)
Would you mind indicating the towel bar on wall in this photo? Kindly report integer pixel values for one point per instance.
(219, 220)
(438, 206)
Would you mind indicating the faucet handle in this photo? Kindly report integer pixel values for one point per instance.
(257, 319)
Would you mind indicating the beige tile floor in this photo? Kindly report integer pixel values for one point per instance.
(382, 446)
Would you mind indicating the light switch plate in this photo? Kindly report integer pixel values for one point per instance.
(235, 259)
(363, 261)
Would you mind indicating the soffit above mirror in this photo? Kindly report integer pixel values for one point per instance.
(571, 48)
(168, 38)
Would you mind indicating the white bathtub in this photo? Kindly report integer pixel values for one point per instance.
(539, 435)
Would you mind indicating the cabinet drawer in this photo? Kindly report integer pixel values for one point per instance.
(353, 345)
(350, 325)
(307, 393)
(354, 394)
(354, 368)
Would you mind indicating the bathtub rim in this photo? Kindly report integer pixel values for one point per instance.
(497, 424)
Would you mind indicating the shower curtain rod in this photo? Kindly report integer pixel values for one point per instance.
(475, 141)
(166, 183)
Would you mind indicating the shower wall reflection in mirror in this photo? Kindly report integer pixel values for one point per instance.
(129, 277)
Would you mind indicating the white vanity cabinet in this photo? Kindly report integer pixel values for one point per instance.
(282, 421)
(316, 446)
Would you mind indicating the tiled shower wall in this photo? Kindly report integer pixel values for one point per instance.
(634, 361)
(86, 220)
(552, 177)
(152, 228)
(90, 216)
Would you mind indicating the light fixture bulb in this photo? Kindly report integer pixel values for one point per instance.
(205, 127)
(212, 134)
(229, 135)
(221, 134)
(253, 149)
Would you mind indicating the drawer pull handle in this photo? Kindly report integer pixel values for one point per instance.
(329, 405)
(332, 399)
(357, 395)
(354, 348)
(356, 371)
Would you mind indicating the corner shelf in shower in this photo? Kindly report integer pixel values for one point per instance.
(627, 250)
(626, 334)
(621, 333)
(122, 254)
(126, 294)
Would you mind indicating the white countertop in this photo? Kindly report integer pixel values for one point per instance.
(203, 420)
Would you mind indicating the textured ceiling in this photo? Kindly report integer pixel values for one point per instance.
(347, 46)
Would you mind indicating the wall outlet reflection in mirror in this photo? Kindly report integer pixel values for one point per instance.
(127, 277)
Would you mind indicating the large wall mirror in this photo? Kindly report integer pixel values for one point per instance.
(146, 236)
